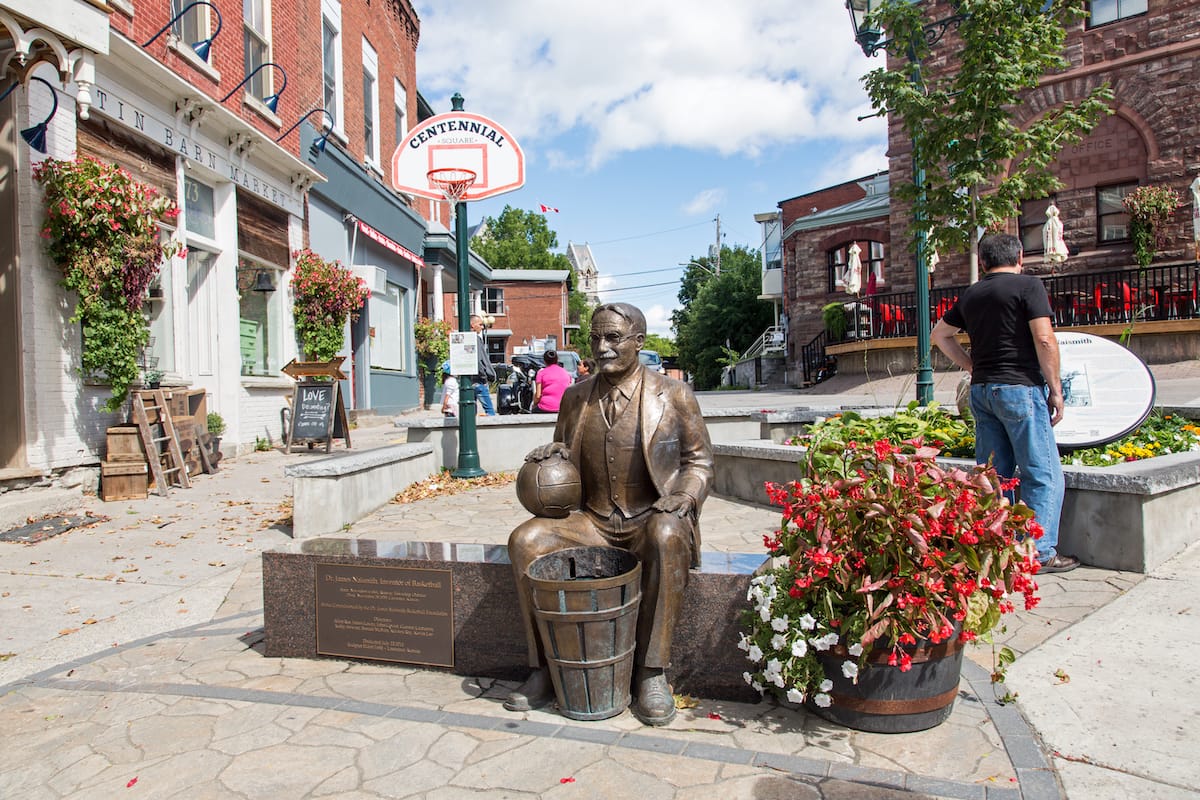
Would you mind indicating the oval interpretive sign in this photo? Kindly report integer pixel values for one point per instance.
(1108, 391)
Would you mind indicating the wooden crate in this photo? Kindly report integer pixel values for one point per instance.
(124, 444)
(189, 403)
(124, 480)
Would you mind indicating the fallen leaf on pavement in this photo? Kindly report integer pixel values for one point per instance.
(685, 701)
(131, 782)
(67, 631)
(1062, 676)
(90, 621)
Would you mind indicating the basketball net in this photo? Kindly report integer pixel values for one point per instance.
(452, 181)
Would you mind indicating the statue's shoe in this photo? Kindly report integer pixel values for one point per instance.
(654, 706)
(535, 692)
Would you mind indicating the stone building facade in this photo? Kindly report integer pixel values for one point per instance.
(1149, 53)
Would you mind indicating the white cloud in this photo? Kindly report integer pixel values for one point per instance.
(634, 74)
(658, 320)
(704, 202)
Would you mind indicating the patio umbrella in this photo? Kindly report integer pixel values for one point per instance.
(1053, 244)
(854, 270)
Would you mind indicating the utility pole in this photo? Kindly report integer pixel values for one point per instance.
(717, 259)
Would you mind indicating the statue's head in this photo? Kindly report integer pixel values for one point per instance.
(618, 333)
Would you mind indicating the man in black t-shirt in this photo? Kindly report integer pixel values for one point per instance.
(1016, 394)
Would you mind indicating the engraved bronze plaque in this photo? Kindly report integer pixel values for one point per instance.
(385, 613)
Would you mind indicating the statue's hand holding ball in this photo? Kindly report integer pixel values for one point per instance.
(549, 485)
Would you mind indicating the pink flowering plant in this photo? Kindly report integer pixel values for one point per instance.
(102, 229)
(882, 549)
(325, 295)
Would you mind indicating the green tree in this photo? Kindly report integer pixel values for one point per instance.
(723, 312)
(985, 165)
(520, 239)
(661, 345)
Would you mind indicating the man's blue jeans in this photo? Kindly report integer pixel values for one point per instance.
(1012, 427)
(485, 398)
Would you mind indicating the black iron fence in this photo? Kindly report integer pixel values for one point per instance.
(1093, 298)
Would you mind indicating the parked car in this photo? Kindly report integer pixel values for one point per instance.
(569, 360)
(651, 359)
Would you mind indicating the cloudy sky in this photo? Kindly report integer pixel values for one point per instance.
(641, 122)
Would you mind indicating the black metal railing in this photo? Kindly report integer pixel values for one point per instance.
(812, 357)
(1092, 298)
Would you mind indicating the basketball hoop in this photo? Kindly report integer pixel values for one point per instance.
(453, 182)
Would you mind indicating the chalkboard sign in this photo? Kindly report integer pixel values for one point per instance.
(318, 415)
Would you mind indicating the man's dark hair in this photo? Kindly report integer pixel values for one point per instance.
(999, 250)
(550, 357)
(590, 363)
(632, 314)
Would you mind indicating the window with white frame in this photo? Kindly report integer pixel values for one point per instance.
(331, 59)
(256, 24)
(370, 97)
(400, 101)
(260, 316)
(192, 25)
(159, 352)
(1103, 11)
(387, 313)
(493, 300)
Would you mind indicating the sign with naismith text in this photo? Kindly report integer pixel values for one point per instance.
(385, 613)
(1108, 391)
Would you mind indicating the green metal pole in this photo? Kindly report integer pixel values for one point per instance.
(924, 365)
(468, 448)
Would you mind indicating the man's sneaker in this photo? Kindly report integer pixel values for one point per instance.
(1059, 563)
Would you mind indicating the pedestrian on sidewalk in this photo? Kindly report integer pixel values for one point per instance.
(449, 392)
(1016, 393)
(486, 373)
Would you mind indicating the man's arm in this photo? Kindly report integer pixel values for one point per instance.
(944, 336)
(1047, 355)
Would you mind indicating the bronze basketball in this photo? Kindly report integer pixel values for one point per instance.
(549, 488)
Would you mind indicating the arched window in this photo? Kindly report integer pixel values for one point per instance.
(871, 254)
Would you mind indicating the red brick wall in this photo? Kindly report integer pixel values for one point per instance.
(533, 310)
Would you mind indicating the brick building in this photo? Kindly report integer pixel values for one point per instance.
(1147, 50)
(529, 306)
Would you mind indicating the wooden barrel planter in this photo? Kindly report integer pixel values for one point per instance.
(886, 700)
(585, 600)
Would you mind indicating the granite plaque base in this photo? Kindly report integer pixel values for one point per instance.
(488, 641)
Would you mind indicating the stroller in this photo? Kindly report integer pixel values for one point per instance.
(515, 395)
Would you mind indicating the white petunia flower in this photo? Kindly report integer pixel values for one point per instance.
(850, 670)
(823, 643)
(855, 649)
(780, 624)
(825, 686)
(744, 643)
(822, 699)
(795, 696)
(748, 678)
(799, 647)
(778, 641)
(764, 613)
(755, 653)
(758, 687)
(778, 681)
(806, 623)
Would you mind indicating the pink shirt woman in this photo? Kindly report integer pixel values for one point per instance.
(550, 383)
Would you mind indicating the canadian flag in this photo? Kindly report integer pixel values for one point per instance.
(546, 208)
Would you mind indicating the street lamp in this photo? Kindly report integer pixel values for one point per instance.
(707, 269)
(868, 35)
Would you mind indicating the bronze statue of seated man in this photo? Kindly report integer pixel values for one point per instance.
(645, 462)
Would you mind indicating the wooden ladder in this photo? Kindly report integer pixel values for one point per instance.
(162, 452)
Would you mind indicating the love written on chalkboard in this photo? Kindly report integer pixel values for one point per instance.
(318, 415)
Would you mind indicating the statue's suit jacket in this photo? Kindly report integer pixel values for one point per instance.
(675, 440)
